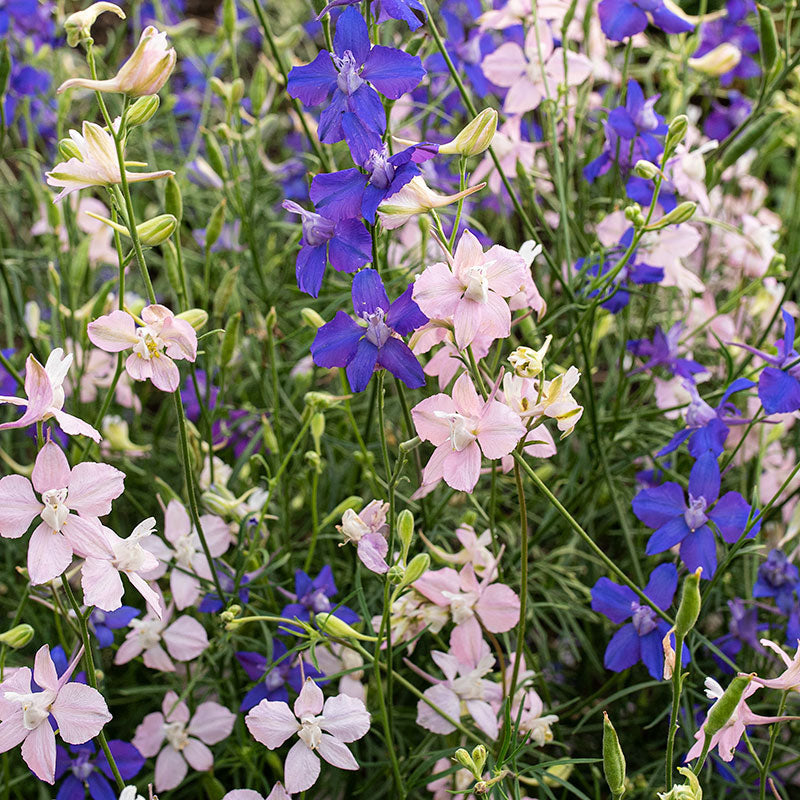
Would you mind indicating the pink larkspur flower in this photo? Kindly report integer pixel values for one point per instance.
(322, 730)
(790, 679)
(45, 397)
(471, 289)
(474, 549)
(180, 739)
(162, 338)
(80, 713)
(461, 428)
(446, 363)
(70, 504)
(277, 793)
(367, 531)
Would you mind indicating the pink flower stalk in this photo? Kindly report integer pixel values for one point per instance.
(321, 729)
(96, 166)
(367, 530)
(188, 552)
(161, 338)
(460, 428)
(464, 668)
(184, 738)
(470, 289)
(70, 505)
(144, 73)
(534, 72)
(495, 604)
(184, 639)
(729, 737)
(80, 713)
(277, 793)
(101, 572)
(45, 397)
(790, 679)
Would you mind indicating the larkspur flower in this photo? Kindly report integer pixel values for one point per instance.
(665, 509)
(160, 338)
(278, 792)
(316, 596)
(743, 631)
(640, 639)
(342, 342)
(462, 428)
(789, 680)
(778, 578)
(80, 712)
(724, 119)
(70, 505)
(346, 78)
(367, 530)
(732, 30)
(470, 289)
(180, 738)
(102, 624)
(83, 769)
(621, 19)
(322, 729)
(662, 351)
(412, 12)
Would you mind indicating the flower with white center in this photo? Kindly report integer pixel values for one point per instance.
(367, 531)
(322, 730)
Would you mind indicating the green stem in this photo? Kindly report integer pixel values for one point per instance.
(523, 589)
(677, 685)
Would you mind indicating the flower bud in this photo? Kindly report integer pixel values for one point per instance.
(215, 223)
(677, 131)
(333, 626)
(475, 137)
(395, 574)
(230, 613)
(690, 791)
(416, 568)
(723, 58)
(311, 318)
(768, 38)
(613, 759)
(78, 26)
(405, 530)
(646, 169)
(464, 758)
(67, 149)
(317, 428)
(115, 434)
(724, 707)
(231, 339)
(237, 91)
(314, 460)
(229, 17)
(196, 317)
(173, 200)
(214, 155)
(632, 211)
(410, 444)
(143, 110)
(258, 88)
(17, 637)
(319, 400)
(683, 212)
(527, 362)
(157, 230)
(689, 609)
(479, 755)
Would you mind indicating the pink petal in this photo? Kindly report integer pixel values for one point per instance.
(466, 399)
(447, 663)
(505, 65)
(434, 469)
(336, 753)
(198, 755)
(496, 317)
(245, 794)
(485, 718)
(372, 550)
(85, 536)
(445, 699)
(81, 712)
(139, 368)
(302, 768)
(166, 375)
(174, 710)
(148, 592)
(524, 95)
(434, 582)
(74, 426)
(92, 487)
(345, 717)
(113, 332)
(49, 554)
(498, 608)
(18, 506)
(217, 533)
(505, 270)
(51, 470)
(211, 722)
(171, 769)
(309, 701)
(499, 430)
(177, 522)
(39, 752)
(437, 291)
(180, 338)
(277, 793)
(185, 589)
(102, 585)
(467, 321)
(156, 314)
(19, 681)
(44, 670)
(431, 427)
(157, 658)
(149, 734)
(12, 730)
(461, 469)
(39, 391)
(467, 643)
(185, 639)
(271, 723)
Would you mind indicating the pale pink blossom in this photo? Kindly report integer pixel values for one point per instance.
(471, 289)
(790, 679)
(69, 505)
(322, 730)
(97, 370)
(187, 551)
(45, 397)
(161, 338)
(80, 713)
(367, 531)
(470, 659)
(101, 571)
(335, 658)
(532, 719)
(529, 297)
(461, 428)
(277, 793)
(411, 614)
(521, 395)
(474, 549)
(180, 739)
(534, 72)
(447, 362)
(184, 639)
(495, 604)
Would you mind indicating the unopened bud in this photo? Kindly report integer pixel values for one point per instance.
(463, 757)
(683, 212)
(677, 131)
(236, 91)
(173, 200)
(416, 568)
(333, 626)
(723, 58)
(258, 88)
(527, 362)
(479, 755)
(689, 609)
(688, 791)
(214, 155)
(115, 433)
(230, 613)
(405, 530)
(230, 340)
(215, 223)
(632, 210)
(724, 708)
(17, 637)
(143, 110)
(311, 318)
(68, 149)
(410, 444)
(475, 137)
(613, 759)
(645, 169)
(229, 17)
(317, 428)
(157, 230)
(196, 317)
(319, 400)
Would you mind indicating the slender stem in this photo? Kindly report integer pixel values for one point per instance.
(773, 737)
(523, 589)
(677, 685)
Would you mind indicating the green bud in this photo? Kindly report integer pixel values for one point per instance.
(214, 155)
(231, 339)
(237, 91)
(677, 132)
(613, 759)
(17, 637)
(225, 290)
(690, 791)
(333, 626)
(311, 318)
(479, 755)
(416, 568)
(646, 169)
(683, 212)
(196, 317)
(768, 39)
(219, 88)
(405, 530)
(215, 223)
(258, 88)
(317, 428)
(632, 210)
(272, 319)
(157, 230)
(410, 444)
(319, 400)
(314, 461)
(689, 609)
(229, 18)
(5, 66)
(475, 137)
(68, 149)
(171, 263)
(722, 710)
(143, 110)
(464, 758)
(173, 201)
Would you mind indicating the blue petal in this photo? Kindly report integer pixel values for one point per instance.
(675, 442)
(709, 439)
(402, 10)
(310, 267)
(346, 615)
(622, 123)
(669, 22)
(329, 129)
(652, 653)
(660, 504)
(302, 583)
(71, 789)
(258, 693)
(739, 385)
(393, 72)
(127, 757)
(613, 600)
(312, 83)
(662, 585)
(366, 103)
(373, 197)
(359, 139)
(325, 581)
(730, 515)
(351, 246)
(254, 664)
(335, 344)
(362, 365)
(699, 549)
(352, 34)
(404, 314)
(100, 788)
(668, 535)
(704, 478)
(778, 391)
(396, 356)
(368, 293)
(623, 650)
(104, 636)
(122, 617)
(620, 19)
(337, 195)
(788, 332)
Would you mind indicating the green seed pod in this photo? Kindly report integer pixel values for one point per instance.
(173, 201)
(689, 609)
(17, 637)
(215, 223)
(768, 39)
(613, 759)
(405, 530)
(225, 291)
(231, 339)
(311, 318)
(258, 88)
(229, 17)
(317, 428)
(143, 110)
(237, 91)
(157, 230)
(723, 709)
(416, 568)
(214, 155)
(683, 212)
(749, 137)
(196, 317)
(330, 624)
(5, 66)
(171, 263)
(677, 130)
(68, 149)
(645, 169)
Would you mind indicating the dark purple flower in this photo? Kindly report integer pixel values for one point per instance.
(104, 623)
(316, 596)
(411, 12)
(191, 402)
(348, 76)
(211, 603)
(342, 342)
(346, 244)
(663, 352)
(620, 19)
(239, 429)
(723, 120)
(707, 428)
(732, 29)
(86, 770)
(778, 578)
(664, 508)
(742, 630)
(640, 639)
(8, 385)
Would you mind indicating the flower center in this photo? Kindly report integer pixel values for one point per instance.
(311, 733)
(461, 605)
(644, 618)
(316, 229)
(149, 631)
(55, 510)
(699, 413)
(349, 81)
(477, 288)
(175, 734)
(130, 556)
(469, 686)
(461, 433)
(82, 767)
(695, 515)
(185, 550)
(380, 168)
(317, 601)
(150, 344)
(378, 332)
(35, 707)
